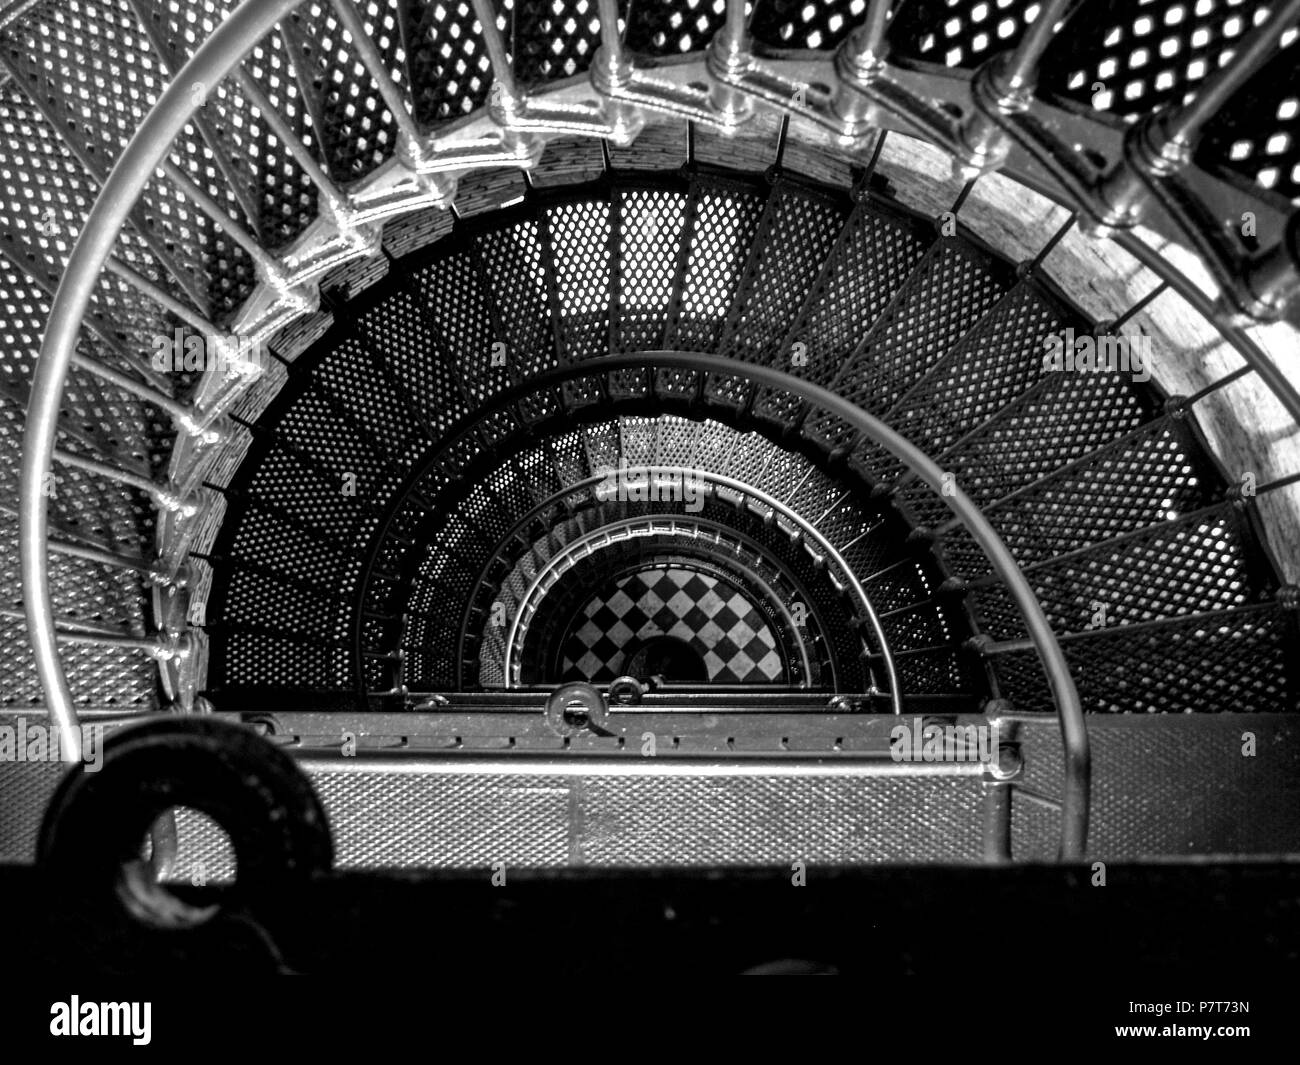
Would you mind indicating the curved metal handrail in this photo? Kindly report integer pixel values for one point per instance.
(865, 98)
(1074, 732)
(855, 586)
(215, 58)
(511, 534)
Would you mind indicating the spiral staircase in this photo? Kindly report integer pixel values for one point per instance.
(523, 305)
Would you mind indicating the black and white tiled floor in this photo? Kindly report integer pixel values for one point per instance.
(719, 621)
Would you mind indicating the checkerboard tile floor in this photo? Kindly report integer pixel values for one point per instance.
(712, 616)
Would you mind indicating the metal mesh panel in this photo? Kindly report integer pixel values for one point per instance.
(204, 854)
(356, 381)
(293, 194)
(298, 490)
(642, 819)
(90, 41)
(1130, 59)
(512, 261)
(464, 324)
(356, 128)
(284, 604)
(796, 233)
(26, 787)
(226, 146)
(272, 660)
(812, 492)
(1257, 134)
(227, 271)
(402, 328)
(556, 38)
(118, 519)
(676, 28)
(281, 546)
(580, 241)
(1134, 484)
(98, 42)
(937, 670)
(996, 362)
(1211, 663)
(347, 463)
(637, 441)
(724, 227)
(943, 299)
(799, 24)
(675, 441)
(651, 230)
(958, 33)
(1169, 786)
(1188, 566)
(1071, 416)
(916, 626)
(449, 69)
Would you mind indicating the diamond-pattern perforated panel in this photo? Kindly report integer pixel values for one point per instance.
(290, 197)
(1129, 59)
(1137, 482)
(404, 331)
(871, 260)
(799, 24)
(1211, 663)
(724, 227)
(1175, 785)
(796, 234)
(944, 298)
(995, 363)
(556, 38)
(651, 231)
(97, 45)
(456, 306)
(958, 33)
(449, 70)
(226, 145)
(674, 29)
(1030, 438)
(1257, 134)
(356, 379)
(475, 819)
(512, 261)
(356, 128)
(1191, 565)
(580, 237)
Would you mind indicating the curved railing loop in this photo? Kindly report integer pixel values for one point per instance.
(676, 526)
(1004, 122)
(215, 58)
(1074, 733)
(806, 527)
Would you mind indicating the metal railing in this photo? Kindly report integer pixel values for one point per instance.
(1004, 126)
(564, 497)
(807, 528)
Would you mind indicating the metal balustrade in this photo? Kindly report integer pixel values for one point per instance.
(991, 118)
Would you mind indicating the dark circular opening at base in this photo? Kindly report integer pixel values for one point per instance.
(673, 659)
(167, 889)
(575, 717)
